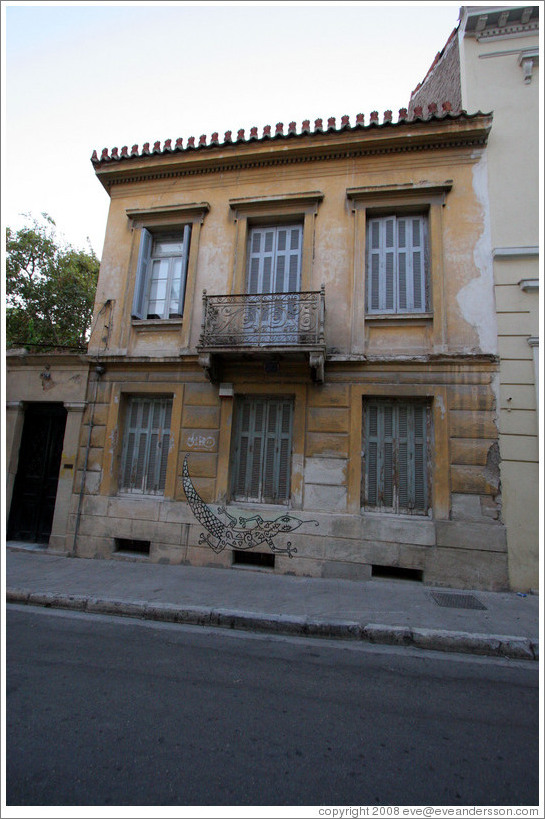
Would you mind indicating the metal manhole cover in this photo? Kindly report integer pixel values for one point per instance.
(457, 601)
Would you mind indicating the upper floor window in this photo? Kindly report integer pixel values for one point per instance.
(161, 274)
(397, 264)
(274, 259)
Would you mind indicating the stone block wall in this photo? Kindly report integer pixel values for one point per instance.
(462, 545)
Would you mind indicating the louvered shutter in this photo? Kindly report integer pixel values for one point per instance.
(402, 264)
(387, 466)
(271, 440)
(144, 256)
(262, 462)
(405, 460)
(420, 479)
(418, 235)
(389, 265)
(146, 445)
(396, 452)
(372, 453)
(177, 296)
(274, 259)
(260, 259)
(374, 254)
(242, 448)
(397, 264)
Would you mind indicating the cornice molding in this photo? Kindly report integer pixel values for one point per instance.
(304, 199)
(192, 210)
(515, 252)
(421, 192)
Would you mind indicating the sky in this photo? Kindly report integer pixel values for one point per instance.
(85, 76)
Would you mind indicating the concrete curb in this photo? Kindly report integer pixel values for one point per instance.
(493, 645)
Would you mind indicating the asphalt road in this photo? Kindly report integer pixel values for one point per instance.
(106, 711)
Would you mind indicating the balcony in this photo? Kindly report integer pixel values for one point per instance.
(263, 325)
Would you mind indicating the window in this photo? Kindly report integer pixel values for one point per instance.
(274, 267)
(274, 259)
(397, 264)
(396, 450)
(262, 450)
(161, 274)
(146, 445)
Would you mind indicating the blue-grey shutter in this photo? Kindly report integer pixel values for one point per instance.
(402, 264)
(388, 455)
(405, 460)
(373, 265)
(262, 462)
(144, 256)
(146, 445)
(418, 225)
(420, 480)
(260, 260)
(274, 259)
(389, 265)
(396, 452)
(183, 278)
(371, 455)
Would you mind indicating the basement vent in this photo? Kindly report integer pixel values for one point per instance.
(457, 601)
(396, 573)
(261, 559)
(139, 547)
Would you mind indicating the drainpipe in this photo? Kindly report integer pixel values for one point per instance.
(99, 370)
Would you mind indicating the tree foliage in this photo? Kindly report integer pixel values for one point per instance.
(50, 288)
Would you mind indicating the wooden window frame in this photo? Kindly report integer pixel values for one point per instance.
(261, 498)
(399, 199)
(284, 209)
(170, 218)
(396, 309)
(437, 396)
(275, 255)
(144, 272)
(115, 428)
(158, 465)
(396, 506)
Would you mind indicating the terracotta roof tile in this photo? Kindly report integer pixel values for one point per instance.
(434, 112)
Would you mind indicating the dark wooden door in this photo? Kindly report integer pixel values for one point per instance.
(35, 489)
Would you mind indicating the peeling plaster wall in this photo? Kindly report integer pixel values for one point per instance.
(476, 299)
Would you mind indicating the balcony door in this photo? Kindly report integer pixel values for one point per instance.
(274, 282)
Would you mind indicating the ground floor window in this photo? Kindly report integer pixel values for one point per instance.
(145, 445)
(396, 470)
(261, 461)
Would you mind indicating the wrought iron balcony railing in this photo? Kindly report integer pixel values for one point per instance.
(263, 320)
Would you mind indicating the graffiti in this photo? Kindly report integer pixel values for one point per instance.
(241, 532)
(201, 441)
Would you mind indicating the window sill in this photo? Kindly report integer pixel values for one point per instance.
(249, 506)
(127, 494)
(156, 324)
(388, 513)
(412, 318)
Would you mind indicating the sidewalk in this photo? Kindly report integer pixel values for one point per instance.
(378, 611)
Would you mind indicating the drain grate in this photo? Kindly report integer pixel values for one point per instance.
(457, 601)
